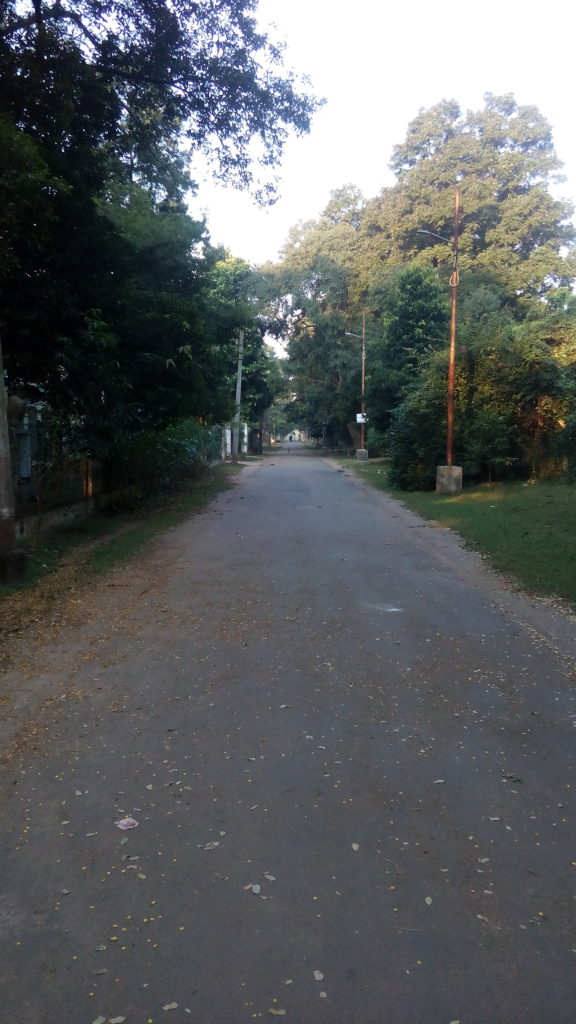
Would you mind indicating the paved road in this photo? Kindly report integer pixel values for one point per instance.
(350, 753)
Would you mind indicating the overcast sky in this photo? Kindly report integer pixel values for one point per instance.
(377, 65)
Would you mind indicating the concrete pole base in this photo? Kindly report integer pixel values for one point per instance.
(362, 455)
(448, 479)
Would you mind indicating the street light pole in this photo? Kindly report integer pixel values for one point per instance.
(363, 395)
(452, 356)
(449, 477)
(362, 448)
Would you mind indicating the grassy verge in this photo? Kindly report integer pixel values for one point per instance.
(526, 531)
(65, 560)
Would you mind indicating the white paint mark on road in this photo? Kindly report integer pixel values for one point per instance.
(385, 608)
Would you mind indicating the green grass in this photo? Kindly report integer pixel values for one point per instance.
(526, 530)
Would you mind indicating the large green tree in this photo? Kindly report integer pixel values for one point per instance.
(392, 257)
(503, 161)
(108, 306)
(142, 77)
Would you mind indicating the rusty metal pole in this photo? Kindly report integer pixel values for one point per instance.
(452, 356)
(363, 396)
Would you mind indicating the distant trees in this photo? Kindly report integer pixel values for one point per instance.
(515, 388)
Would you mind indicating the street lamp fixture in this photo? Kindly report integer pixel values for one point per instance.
(449, 477)
(362, 453)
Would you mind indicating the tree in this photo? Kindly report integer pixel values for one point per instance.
(146, 74)
(414, 323)
(503, 161)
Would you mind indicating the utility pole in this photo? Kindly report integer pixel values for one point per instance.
(449, 477)
(236, 424)
(363, 395)
(361, 453)
(452, 356)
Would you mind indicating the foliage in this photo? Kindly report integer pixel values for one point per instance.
(142, 76)
(116, 311)
(392, 257)
(157, 461)
(413, 325)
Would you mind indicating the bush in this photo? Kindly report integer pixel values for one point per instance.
(157, 461)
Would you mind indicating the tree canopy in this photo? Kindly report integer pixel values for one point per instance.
(115, 309)
(391, 257)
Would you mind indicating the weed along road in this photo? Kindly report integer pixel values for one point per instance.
(349, 751)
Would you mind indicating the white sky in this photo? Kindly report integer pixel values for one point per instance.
(377, 64)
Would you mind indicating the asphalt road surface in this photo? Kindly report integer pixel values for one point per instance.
(350, 753)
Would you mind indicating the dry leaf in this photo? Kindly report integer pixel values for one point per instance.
(277, 1013)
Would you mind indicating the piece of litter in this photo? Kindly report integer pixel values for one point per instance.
(428, 901)
(277, 1013)
(116, 1020)
(318, 976)
(269, 878)
(323, 995)
(356, 846)
(65, 892)
(438, 782)
(211, 846)
(170, 1006)
(99, 1020)
(493, 819)
(126, 823)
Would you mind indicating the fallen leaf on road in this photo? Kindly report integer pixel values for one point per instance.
(277, 1013)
